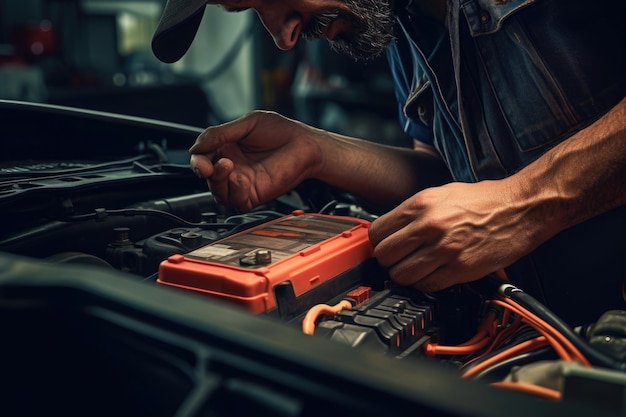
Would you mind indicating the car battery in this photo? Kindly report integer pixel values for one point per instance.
(304, 250)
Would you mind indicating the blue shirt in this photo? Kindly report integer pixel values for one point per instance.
(530, 74)
(500, 85)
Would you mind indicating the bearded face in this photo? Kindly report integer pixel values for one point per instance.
(372, 26)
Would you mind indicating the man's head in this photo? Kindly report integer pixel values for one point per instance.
(360, 28)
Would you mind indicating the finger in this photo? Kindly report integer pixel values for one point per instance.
(440, 279)
(399, 244)
(219, 182)
(413, 269)
(222, 169)
(395, 248)
(214, 137)
(388, 224)
(239, 191)
(202, 165)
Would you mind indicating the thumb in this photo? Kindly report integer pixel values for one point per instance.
(214, 137)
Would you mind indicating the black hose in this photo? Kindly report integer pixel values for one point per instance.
(594, 356)
(503, 367)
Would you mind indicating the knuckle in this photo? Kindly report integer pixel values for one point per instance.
(383, 255)
(403, 276)
(372, 233)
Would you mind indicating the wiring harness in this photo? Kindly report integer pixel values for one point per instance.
(518, 329)
(514, 330)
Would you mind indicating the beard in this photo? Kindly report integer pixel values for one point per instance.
(372, 29)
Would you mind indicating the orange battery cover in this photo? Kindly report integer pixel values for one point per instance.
(306, 249)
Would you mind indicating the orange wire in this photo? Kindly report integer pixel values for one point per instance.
(500, 338)
(548, 393)
(432, 349)
(551, 336)
(542, 324)
(520, 348)
(487, 334)
(506, 314)
(537, 324)
(507, 332)
(483, 335)
(564, 340)
(308, 323)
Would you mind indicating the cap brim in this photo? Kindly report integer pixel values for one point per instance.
(177, 29)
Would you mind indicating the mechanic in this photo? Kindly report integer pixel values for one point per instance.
(518, 112)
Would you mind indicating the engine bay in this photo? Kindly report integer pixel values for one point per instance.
(114, 195)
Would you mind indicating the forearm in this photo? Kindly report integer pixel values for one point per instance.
(383, 175)
(580, 178)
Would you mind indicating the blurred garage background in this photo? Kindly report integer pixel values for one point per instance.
(95, 54)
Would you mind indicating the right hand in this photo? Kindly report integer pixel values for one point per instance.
(255, 158)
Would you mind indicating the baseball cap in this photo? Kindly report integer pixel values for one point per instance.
(177, 28)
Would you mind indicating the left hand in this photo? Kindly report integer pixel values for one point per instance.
(453, 234)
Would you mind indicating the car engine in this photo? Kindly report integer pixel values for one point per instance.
(113, 195)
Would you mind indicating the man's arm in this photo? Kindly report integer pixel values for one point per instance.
(461, 232)
(383, 175)
(261, 155)
(578, 179)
